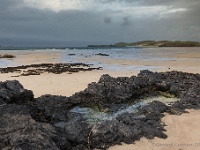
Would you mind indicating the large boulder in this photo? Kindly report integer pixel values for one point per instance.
(19, 131)
(13, 92)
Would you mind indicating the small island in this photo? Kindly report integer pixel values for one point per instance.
(149, 43)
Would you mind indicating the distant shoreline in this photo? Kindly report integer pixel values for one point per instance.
(154, 44)
(139, 44)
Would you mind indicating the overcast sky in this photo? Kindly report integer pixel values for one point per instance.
(84, 22)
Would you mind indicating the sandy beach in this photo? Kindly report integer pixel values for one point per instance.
(67, 84)
(183, 131)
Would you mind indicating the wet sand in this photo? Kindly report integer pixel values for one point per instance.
(183, 131)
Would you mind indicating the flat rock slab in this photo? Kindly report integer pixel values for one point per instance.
(37, 69)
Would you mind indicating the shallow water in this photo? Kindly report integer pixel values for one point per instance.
(118, 59)
(94, 116)
(7, 63)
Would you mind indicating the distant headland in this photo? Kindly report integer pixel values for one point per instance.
(152, 44)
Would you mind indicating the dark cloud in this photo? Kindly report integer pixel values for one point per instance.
(125, 21)
(107, 19)
(29, 26)
(5, 4)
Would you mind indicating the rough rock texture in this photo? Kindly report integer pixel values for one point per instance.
(19, 131)
(48, 122)
(101, 54)
(54, 108)
(37, 69)
(13, 92)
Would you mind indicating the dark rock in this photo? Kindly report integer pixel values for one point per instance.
(77, 129)
(155, 107)
(48, 122)
(53, 108)
(37, 69)
(100, 54)
(13, 92)
(109, 91)
(19, 131)
(7, 56)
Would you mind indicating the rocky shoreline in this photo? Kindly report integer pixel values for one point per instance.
(37, 69)
(47, 122)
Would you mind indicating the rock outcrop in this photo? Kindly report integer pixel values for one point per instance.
(37, 69)
(48, 122)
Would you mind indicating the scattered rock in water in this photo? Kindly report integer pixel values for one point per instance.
(7, 56)
(106, 113)
(101, 54)
(37, 69)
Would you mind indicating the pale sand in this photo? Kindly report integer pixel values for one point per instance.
(34, 57)
(63, 84)
(183, 131)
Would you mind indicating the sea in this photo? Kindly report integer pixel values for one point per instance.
(114, 58)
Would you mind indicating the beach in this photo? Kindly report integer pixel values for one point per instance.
(182, 131)
(186, 60)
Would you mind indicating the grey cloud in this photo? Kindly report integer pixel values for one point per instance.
(35, 27)
(7, 3)
(107, 19)
(125, 21)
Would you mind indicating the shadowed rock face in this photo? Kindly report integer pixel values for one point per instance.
(19, 131)
(48, 122)
(13, 92)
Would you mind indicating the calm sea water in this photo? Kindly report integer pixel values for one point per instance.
(88, 55)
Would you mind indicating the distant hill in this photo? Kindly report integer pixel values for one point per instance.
(153, 44)
(161, 44)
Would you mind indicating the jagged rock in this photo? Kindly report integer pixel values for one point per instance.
(55, 108)
(113, 132)
(101, 54)
(110, 90)
(48, 122)
(77, 129)
(13, 92)
(125, 129)
(37, 69)
(19, 131)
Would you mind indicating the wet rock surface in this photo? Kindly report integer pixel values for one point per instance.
(48, 122)
(7, 56)
(101, 54)
(37, 69)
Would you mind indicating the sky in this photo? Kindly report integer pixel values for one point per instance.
(84, 22)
